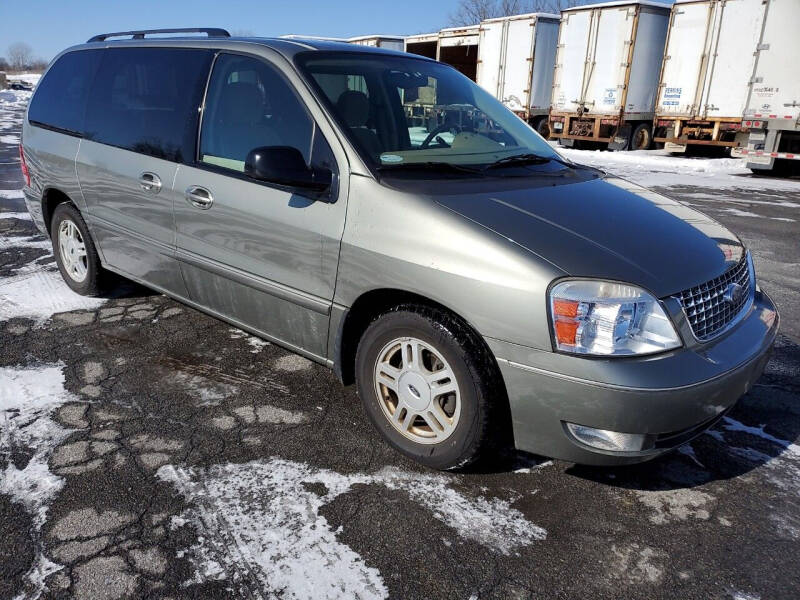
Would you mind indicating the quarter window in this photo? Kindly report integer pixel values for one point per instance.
(250, 105)
(146, 100)
(60, 98)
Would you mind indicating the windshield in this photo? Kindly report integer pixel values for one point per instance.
(404, 112)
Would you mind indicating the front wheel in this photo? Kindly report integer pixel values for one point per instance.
(426, 384)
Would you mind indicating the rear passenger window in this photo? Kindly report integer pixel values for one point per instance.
(146, 100)
(60, 99)
(249, 105)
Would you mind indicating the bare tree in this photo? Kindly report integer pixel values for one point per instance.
(19, 56)
(472, 12)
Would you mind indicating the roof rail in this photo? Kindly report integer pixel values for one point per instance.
(140, 34)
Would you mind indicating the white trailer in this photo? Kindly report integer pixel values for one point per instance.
(772, 114)
(606, 75)
(516, 56)
(458, 47)
(705, 77)
(390, 42)
(423, 44)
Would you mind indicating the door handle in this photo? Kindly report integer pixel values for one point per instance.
(199, 197)
(150, 182)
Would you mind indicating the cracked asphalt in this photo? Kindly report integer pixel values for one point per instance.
(191, 460)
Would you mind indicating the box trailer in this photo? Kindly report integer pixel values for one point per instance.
(516, 56)
(423, 44)
(606, 75)
(458, 47)
(705, 76)
(390, 42)
(771, 120)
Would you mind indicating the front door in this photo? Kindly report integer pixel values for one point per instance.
(259, 254)
(141, 122)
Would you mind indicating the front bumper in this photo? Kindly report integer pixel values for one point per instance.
(673, 396)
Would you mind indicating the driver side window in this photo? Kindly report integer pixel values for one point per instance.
(249, 105)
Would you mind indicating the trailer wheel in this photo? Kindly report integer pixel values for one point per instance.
(641, 138)
(542, 127)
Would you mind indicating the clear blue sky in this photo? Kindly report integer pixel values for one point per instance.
(49, 26)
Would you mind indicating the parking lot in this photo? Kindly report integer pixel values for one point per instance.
(148, 450)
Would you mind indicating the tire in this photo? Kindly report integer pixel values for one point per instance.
(641, 137)
(543, 128)
(475, 417)
(68, 225)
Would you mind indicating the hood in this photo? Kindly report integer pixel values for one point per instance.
(608, 228)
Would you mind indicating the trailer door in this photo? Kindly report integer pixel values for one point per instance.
(519, 53)
(491, 47)
(733, 58)
(609, 60)
(684, 67)
(776, 87)
(573, 41)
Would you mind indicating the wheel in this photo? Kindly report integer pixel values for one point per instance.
(543, 128)
(425, 382)
(75, 253)
(641, 137)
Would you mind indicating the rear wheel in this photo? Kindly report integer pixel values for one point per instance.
(426, 383)
(641, 137)
(542, 127)
(75, 253)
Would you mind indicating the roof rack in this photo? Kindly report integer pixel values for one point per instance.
(140, 34)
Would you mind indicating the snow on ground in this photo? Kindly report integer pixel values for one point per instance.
(264, 517)
(38, 292)
(658, 168)
(28, 397)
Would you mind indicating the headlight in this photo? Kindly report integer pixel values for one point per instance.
(607, 318)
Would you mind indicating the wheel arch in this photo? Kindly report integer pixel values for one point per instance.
(51, 198)
(368, 306)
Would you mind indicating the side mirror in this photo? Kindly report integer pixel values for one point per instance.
(285, 165)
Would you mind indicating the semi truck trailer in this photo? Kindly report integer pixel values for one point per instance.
(516, 57)
(705, 76)
(771, 120)
(606, 74)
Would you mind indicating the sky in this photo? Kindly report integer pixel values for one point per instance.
(49, 26)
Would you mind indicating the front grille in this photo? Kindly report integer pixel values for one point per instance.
(707, 307)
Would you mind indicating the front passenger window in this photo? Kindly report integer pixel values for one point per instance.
(250, 105)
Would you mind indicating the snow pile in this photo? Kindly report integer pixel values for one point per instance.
(264, 517)
(28, 396)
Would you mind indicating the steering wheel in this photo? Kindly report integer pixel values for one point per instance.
(434, 135)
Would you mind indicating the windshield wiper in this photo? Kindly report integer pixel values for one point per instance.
(527, 159)
(430, 166)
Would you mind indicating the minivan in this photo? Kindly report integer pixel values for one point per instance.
(379, 213)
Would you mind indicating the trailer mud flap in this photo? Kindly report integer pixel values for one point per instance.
(621, 139)
(674, 148)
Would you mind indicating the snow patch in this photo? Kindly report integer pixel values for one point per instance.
(28, 396)
(657, 168)
(22, 216)
(783, 470)
(262, 516)
(676, 505)
(38, 293)
(11, 194)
